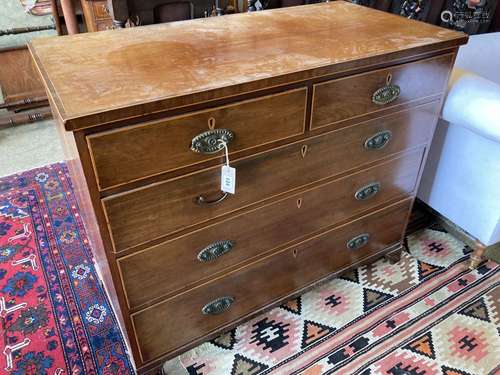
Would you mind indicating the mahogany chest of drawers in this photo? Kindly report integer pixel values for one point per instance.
(327, 111)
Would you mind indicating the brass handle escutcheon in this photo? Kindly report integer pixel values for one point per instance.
(215, 250)
(217, 306)
(203, 201)
(358, 241)
(378, 140)
(386, 94)
(211, 141)
(367, 192)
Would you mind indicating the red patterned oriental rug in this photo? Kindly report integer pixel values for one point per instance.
(55, 316)
(426, 315)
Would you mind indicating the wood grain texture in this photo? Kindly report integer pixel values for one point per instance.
(18, 77)
(157, 327)
(142, 215)
(143, 150)
(94, 77)
(349, 97)
(154, 272)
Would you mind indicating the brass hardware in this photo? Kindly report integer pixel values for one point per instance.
(210, 142)
(378, 140)
(299, 202)
(367, 192)
(202, 201)
(217, 306)
(386, 94)
(303, 151)
(358, 241)
(215, 250)
(211, 123)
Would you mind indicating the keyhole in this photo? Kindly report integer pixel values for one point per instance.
(211, 123)
(299, 202)
(303, 151)
(294, 252)
(389, 79)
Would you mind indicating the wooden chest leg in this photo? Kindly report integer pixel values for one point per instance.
(477, 255)
(394, 256)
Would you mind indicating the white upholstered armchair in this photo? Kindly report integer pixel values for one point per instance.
(461, 180)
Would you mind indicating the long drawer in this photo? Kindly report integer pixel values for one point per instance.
(191, 315)
(144, 214)
(361, 94)
(152, 273)
(135, 152)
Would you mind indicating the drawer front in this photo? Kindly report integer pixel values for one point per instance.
(152, 273)
(135, 152)
(157, 328)
(353, 96)
(142, 215)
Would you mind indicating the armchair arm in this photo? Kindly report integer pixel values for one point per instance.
(473, 102)
(481, 56)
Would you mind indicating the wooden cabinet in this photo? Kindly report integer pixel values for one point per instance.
(328, 144)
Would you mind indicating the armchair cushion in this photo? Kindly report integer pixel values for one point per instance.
(474, 103)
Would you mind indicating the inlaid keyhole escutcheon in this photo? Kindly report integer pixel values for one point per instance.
(303, 151)
(211, 123)
(299, 202)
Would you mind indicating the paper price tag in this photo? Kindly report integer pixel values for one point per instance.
(228, 179)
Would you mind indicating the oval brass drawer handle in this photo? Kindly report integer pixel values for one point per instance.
(218, 305)
(379, 140)
(210, 142)
(386, 94)
(215, 250)
(367, 192)
(203, 201)
(358, 241)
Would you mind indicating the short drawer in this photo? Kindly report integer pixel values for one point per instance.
(158, 210)
(139, 151)
(361, 94)
(246, 290)
(181, 262)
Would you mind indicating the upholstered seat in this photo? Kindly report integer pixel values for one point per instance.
(462, 177)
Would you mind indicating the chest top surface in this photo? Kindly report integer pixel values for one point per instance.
(91, 74)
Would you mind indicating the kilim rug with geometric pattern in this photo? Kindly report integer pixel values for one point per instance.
(425, 315)
(55, 317)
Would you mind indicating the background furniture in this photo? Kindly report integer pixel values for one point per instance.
(462, 178)
(328, 151)
(20, 86)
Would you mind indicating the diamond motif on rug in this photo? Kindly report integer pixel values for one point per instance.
(466, 344)
(372, 298)
(312, 332)
(245, 366)
(477, 310)
(270, 338)
(423, 345)
(294, 306)
(226, 340)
